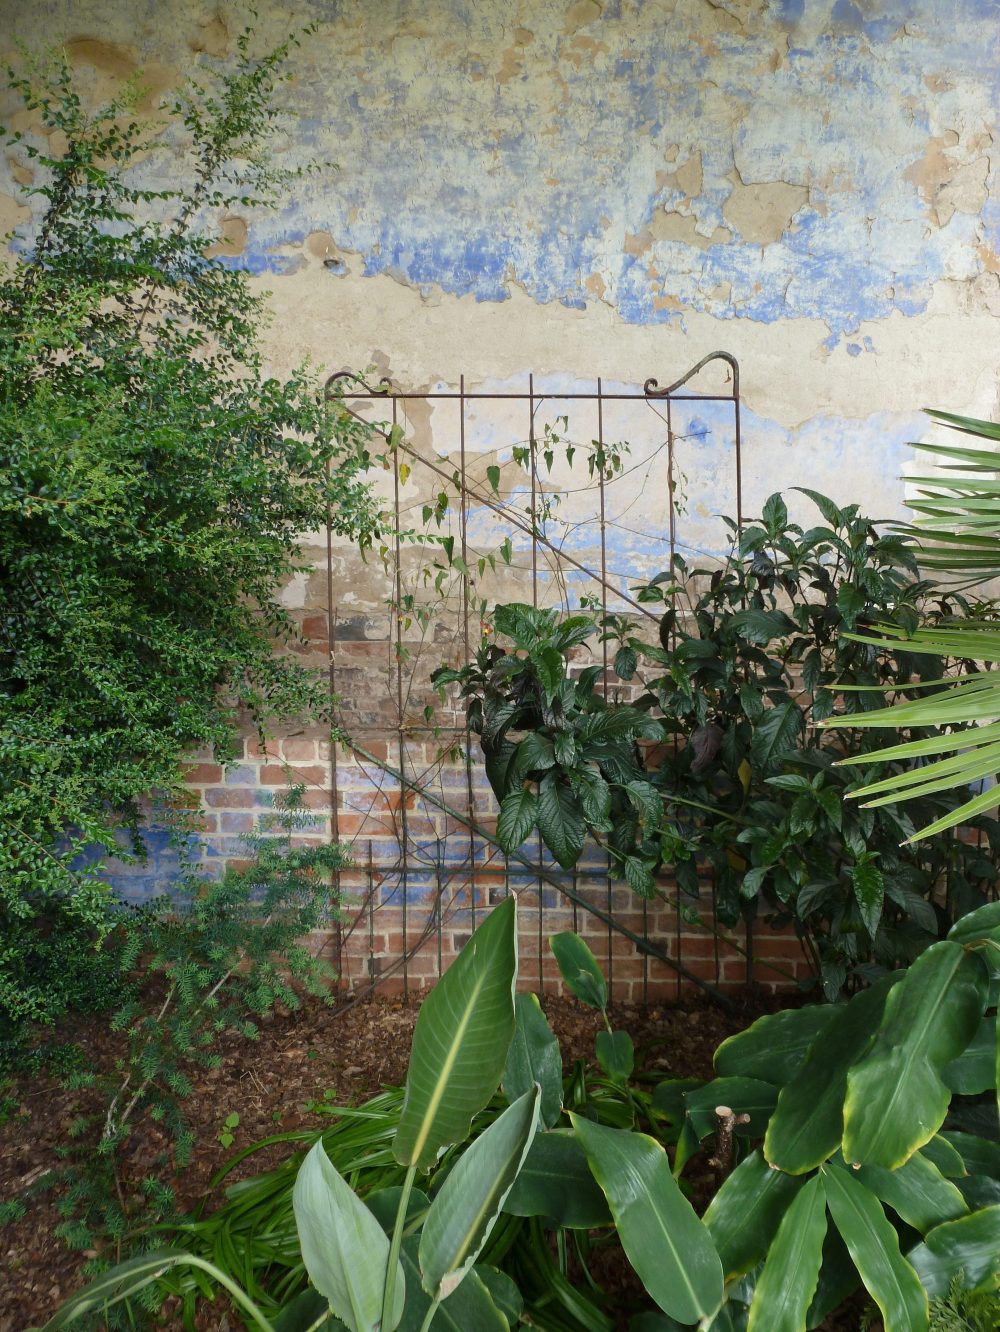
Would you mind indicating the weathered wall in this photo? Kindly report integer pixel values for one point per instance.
(614, 189)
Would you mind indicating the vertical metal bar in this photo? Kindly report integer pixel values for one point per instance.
(576, 889)
(604, 609)
(671, 505)
(534, 490)
(739, 447)
(400, 732)
(677, 942)
(463, 519)
(331, 631)
(645, 956)
(371, 913)
(438, 895)
(532, 459)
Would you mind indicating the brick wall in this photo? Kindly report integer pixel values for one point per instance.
(420, 881)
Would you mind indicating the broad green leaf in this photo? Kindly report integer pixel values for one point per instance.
(982, 923)
(549, 664)
(469, 1306)
(663, 1239)
(979, 1155)
(594, 794)
(518, 813)
(827, 508)
(744, 1215)
(775, 734)
(947, 1158)
(534, 1057)
(917, 1192)
(774, 515)
(774, 1046)
(625, 663)
(556, 1182)
(460, 1042)
(466, 1207)
(838, 1279)
(788, 1283)
(560, 820)
(384, 1206)
(303, 1315)
(503, 1292)
(579, 969)
(966, 1250)
(874, 1246)
(896, 1100)
(615, 1054)
(344, 1249)
(639, 877)
(869, 892)
(535, 753)
(975, 1069)
(808, 1121)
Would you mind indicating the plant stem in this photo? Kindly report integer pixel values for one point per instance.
(240, 1296)
(397, 1239)
(429, 1315)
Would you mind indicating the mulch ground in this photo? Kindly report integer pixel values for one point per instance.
(300, 1058)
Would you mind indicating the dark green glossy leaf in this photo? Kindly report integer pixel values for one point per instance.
(775, 734)
(788, 1283)
(975, 1069)
(556, 1182)
(744, 1096)
(518, 813)
(469, 1306)
(534, 1057)
(917, 1192)
(744, 1215)
(896, 1099)
(966, 1250)
(560, 820)
(808, 1121)
(874, 1246)
(579, 969)
(664, 1240)
(774, 1046)
(615, 1054)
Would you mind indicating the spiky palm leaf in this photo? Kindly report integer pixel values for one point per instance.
(958, 525)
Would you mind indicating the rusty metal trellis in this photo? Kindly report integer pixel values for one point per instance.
(481, 875)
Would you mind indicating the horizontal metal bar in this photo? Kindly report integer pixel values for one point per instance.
(541, 397)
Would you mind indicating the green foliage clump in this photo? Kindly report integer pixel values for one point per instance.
(716, 765)
(154, 486)
(212, 960)
(965, 1311)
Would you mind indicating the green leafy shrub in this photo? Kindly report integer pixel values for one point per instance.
(154, 482)
(716, 763)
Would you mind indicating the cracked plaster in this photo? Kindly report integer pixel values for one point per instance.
(618, 188)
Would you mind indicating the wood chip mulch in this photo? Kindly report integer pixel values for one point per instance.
(299, 1058)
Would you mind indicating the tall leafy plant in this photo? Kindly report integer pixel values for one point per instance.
(155, 483)
(715, 762)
